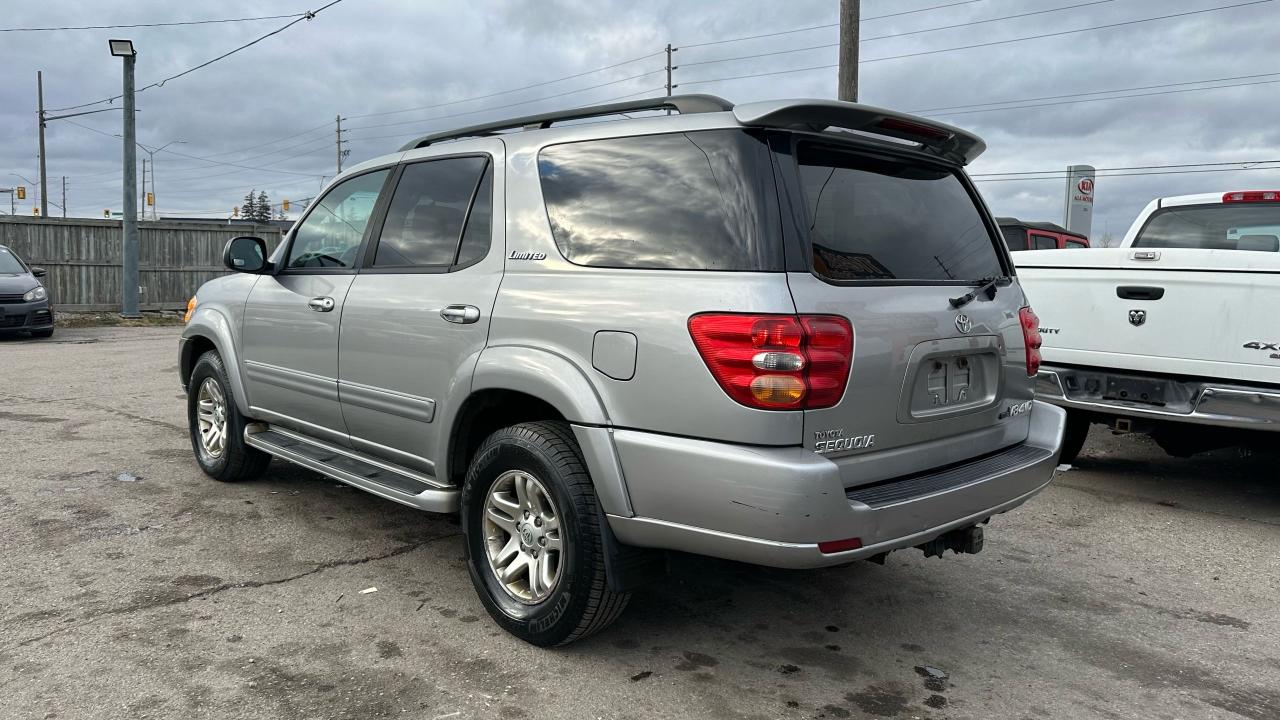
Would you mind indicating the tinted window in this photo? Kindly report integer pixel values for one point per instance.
(479, 233)
(1253, 227)
(688, 201)
(425, 218)
(1044, 242)
(1015, 237)
(1075, 245)
(874, 219)
(331, 234)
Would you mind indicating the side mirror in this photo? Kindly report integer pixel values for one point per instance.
(246, 254)
(38, 271)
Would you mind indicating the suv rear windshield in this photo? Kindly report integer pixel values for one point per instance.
(1214, 227)
(877, 219)
(680, 201)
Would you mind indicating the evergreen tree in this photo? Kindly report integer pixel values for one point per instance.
(264, 207)
(249, 210)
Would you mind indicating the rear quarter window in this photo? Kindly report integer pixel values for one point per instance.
(678, 201)
(872, 218)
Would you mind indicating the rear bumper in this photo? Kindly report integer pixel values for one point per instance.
(773, 506)
(24, 317)
(1203, 402)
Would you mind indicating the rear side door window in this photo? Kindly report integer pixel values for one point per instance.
(1044, 242)
(439, 206)
(330, 237)
(1075, 245)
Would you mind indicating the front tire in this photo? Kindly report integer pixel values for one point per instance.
(217, 427)
(48, 332)
(531, 524)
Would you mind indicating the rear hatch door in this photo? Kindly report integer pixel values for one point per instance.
(887, 241)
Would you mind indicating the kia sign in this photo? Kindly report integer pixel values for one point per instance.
(1079, 199)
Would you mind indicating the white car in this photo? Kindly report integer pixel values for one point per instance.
(1174, 333)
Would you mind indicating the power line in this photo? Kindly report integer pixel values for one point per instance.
(1059, 172)
(514, 104)
(900, 34)
(1113, 97)
(156, 24)
(306, 16)
(827, 25)
(1095, 92)
(507, 92)
(193, 157)
(1060, 178)
(1067, 32)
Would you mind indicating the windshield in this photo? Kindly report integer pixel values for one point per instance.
(877, 219)
(1254, 227)
(9, 264)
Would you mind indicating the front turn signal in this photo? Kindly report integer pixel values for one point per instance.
(191, 308)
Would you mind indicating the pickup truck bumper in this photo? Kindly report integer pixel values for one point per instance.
(773, 506)
(1203, 401)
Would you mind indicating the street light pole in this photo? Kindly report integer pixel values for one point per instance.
(129, 280)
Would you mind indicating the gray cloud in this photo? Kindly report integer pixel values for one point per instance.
(372, 56)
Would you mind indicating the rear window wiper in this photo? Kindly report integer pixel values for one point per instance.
(985, 285)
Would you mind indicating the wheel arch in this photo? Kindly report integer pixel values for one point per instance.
(207, 330)
(513, 384)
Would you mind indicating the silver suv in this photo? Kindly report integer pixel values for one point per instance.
(784, 333)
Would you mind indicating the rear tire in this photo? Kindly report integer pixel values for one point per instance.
(217, 427)
(525, 493)
(1075, 435)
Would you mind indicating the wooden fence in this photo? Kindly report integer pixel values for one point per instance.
(83, 258)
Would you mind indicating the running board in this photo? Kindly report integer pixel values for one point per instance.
(354, 468)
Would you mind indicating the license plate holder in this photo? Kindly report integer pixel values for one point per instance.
(1125, 389)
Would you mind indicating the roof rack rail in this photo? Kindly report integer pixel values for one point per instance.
(684, 104)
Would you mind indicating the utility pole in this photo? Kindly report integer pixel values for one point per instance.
(341, 153)
(142, 195)
(670, 67)
(848, 82)
(64, 197)
(44, 203)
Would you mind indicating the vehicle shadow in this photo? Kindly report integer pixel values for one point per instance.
(1231, 481)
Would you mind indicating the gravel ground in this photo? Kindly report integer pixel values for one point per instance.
(132, 586)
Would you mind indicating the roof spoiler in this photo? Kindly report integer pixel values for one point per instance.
(945, 141)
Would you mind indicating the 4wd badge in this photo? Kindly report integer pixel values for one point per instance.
(1137, 317)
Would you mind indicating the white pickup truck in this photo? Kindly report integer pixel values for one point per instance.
(1175, 333)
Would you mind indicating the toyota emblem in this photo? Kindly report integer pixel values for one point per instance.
(963, 323)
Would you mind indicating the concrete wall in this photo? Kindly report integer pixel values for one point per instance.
(83, 258)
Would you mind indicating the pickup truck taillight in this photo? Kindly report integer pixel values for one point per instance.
(1031, 339)
(776, 362)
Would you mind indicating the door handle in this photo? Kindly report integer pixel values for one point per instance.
(461, 314)
(321, 304)
(1135, 292)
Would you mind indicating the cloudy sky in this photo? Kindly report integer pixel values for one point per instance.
(264, 118)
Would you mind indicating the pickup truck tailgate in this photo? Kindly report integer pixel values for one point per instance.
(1180, 311)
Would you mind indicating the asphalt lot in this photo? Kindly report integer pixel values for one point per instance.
(132, 586)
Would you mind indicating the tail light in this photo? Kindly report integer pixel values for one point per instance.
(1252, 196)
(1031, 339)
(776, 362)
